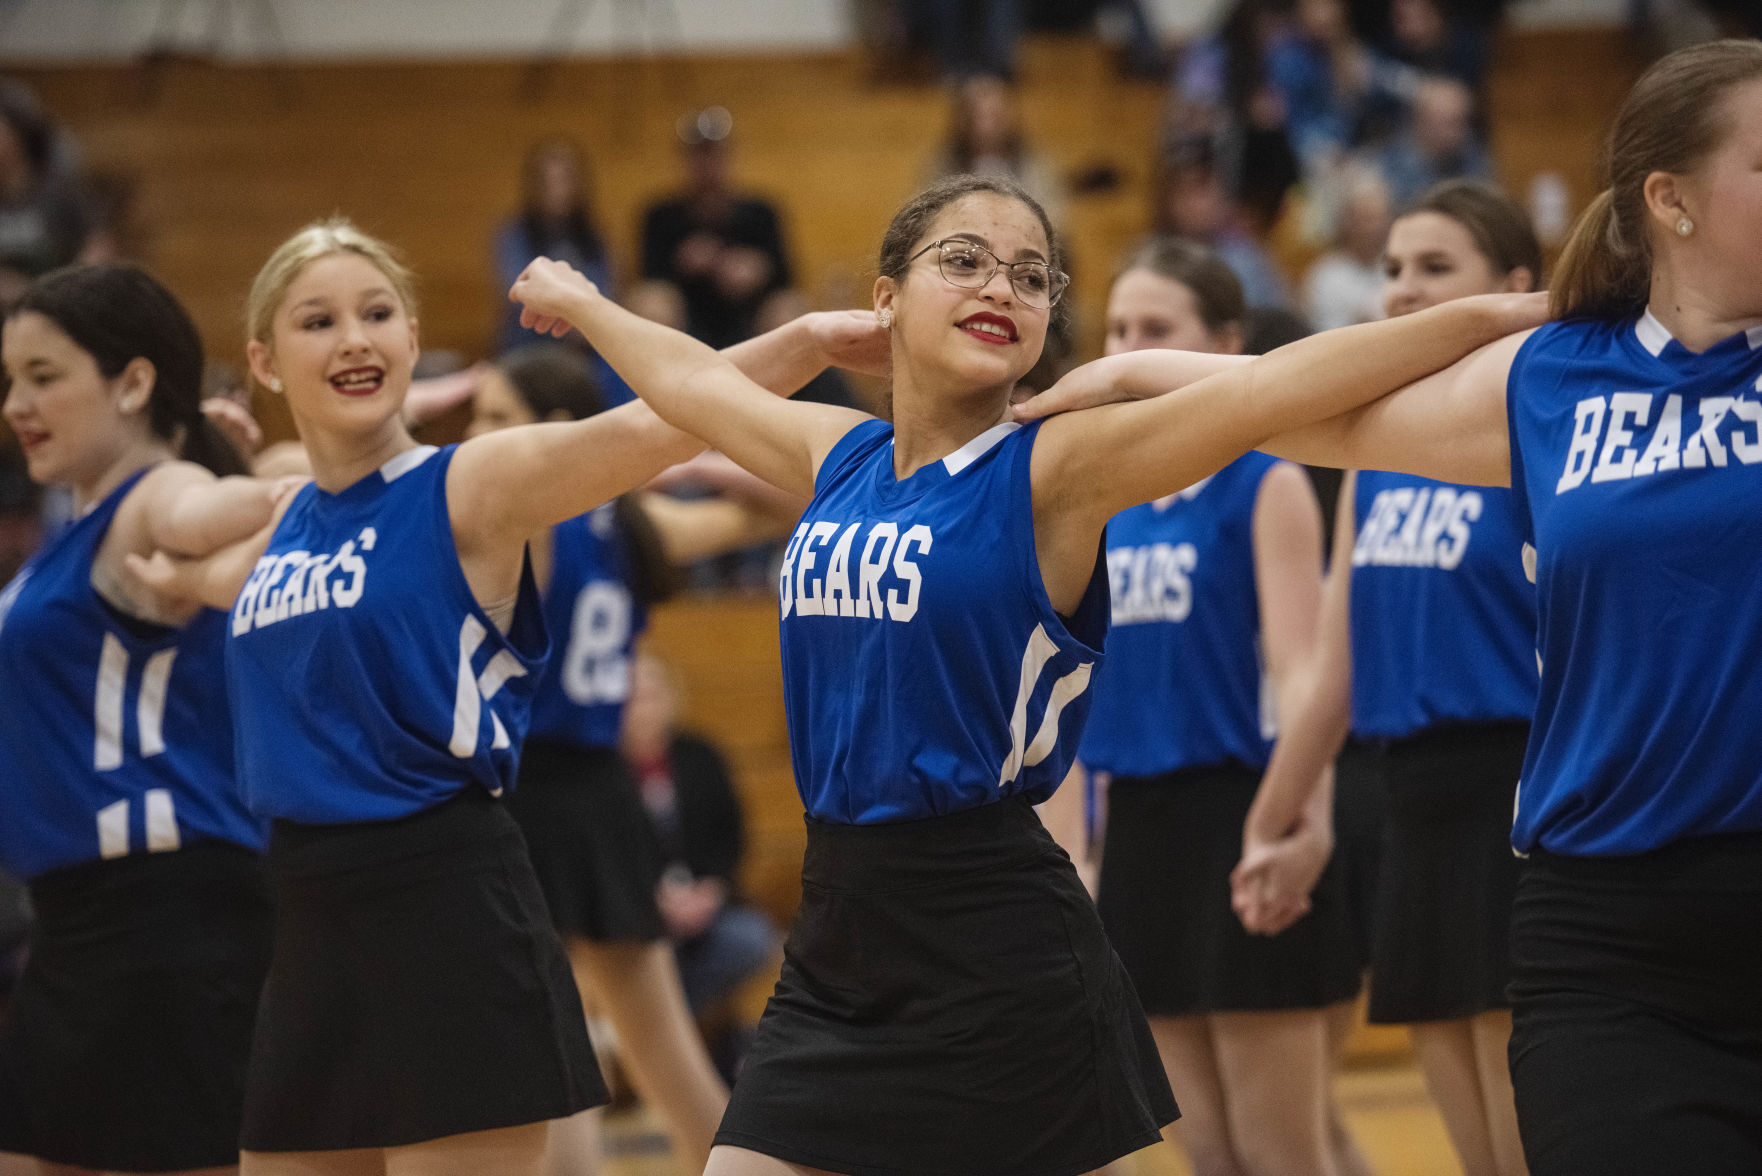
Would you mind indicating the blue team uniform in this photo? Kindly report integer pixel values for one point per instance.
(1443, 617)
(581, 693)
(1638, 465)
(925, 671)
(367, 682)
(114, 736)
(1183, 685)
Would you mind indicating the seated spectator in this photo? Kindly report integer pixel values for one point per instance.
(686, 788)
(47, 218)
(1192, 204)
(1222, 92)
(1345, 285)
(714, 253)
(1426, 35)
(1439, 142)
(1338, 92)
(985, 138)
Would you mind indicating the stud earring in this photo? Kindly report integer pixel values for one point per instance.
(275, 383)
(1684, 226)
(884, 316)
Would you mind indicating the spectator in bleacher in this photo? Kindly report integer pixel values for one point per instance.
(1222, 91)
(711, 253)
(1345, 285)
(688, 792)
(1438, 143)
(47, 218)
(556, 219)
(1338, 91)
(1192, 203)
(985, 138)
(1428, 36)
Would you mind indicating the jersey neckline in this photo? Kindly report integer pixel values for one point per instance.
(1656, 338)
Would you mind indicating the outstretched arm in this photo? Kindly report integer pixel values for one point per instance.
(1100, 461)
(687, 383)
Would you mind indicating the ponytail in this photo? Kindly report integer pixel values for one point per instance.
(208, 447)
(653, 578)
(1600, 274)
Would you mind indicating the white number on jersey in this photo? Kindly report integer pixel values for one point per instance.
(476, 689)
(596, 668)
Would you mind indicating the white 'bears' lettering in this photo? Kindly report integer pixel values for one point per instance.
(818, 578)
(1152, 583)
(1605, 444)
(1417, 527)
(298, 582)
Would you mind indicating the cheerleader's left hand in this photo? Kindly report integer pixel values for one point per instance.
(1270, 887)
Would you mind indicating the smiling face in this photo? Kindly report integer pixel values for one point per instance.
(69, 418)
(973, 338)
(342, 344)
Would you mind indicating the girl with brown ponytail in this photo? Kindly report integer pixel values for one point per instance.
(1631, 435)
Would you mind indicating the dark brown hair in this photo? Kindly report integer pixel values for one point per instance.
(913, 219)
(1672, 119)
(116, 313)
(1215, 286)
(552, 378)
(1500, 228)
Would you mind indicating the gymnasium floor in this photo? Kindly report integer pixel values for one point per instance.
(1385, 1103)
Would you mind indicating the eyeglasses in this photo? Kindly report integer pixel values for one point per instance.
(970, 265)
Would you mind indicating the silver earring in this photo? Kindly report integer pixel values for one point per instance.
(275, 383)
(1684, 226)
(884, 316)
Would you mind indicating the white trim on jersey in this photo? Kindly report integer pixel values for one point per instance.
(1039, 651)
(406, 461)
(1654, 335)
(973, 450)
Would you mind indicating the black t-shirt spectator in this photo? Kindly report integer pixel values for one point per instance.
(712, 315)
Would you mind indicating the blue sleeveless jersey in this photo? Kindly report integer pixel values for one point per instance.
(115, 736)
(367, 682)
(1640, 464)
(924, 669)
(1183, 684)
(589, 604)
(1443, 616)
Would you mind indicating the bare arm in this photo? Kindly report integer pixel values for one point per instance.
(1450, 425)
(1314, 725)
(1099, 461)
(188, 511)
(687, 383)
(697, 529)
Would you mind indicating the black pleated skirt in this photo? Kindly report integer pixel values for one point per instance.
(949, 1006)
(1636, 1043)
(1164, 898)
(417, 990)
(125, 1044)
(593, 848)
(1442, 943)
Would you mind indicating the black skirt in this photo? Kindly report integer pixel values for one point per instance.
(126, 1041)
(1442, 946)
(592, 846)
(418, 989)
(1636, 1044)
(1361, 814)
(1164, 897)
(948, 1005)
